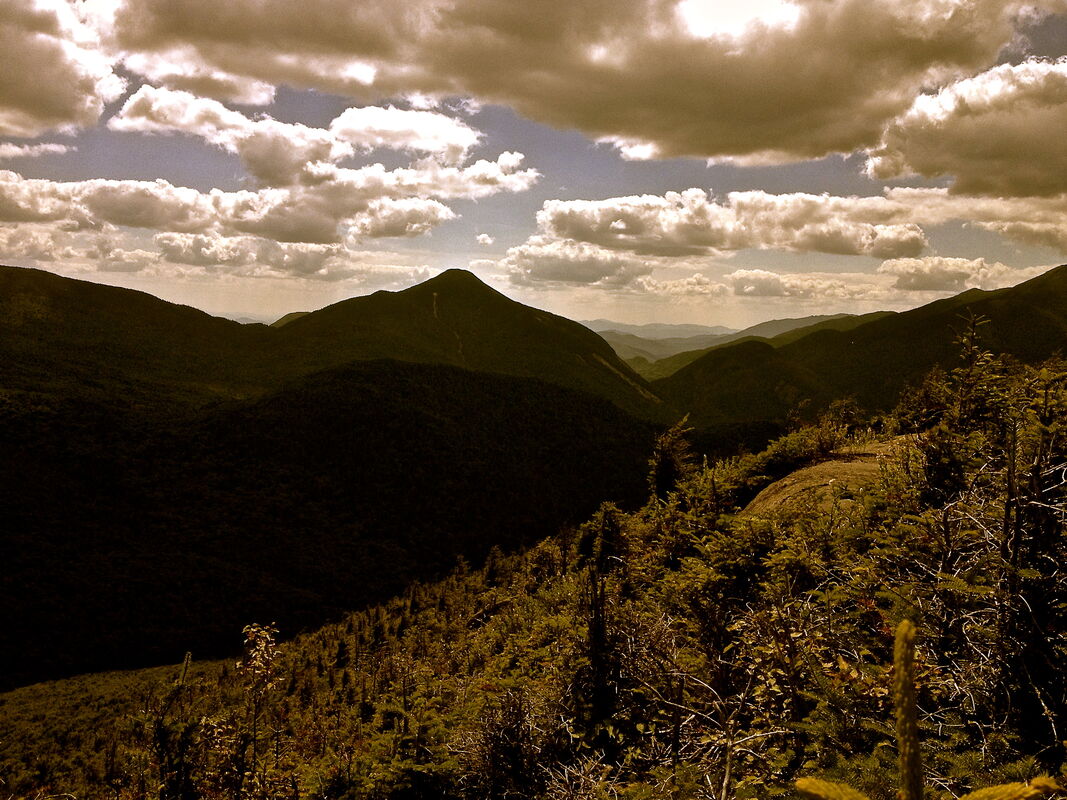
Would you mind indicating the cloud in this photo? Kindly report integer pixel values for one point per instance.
(180, 69)
(8, 151)
(410, 216)
(998, 133)
(279, 153)
(576, 263)
(373, 127)
(647, 75)
(331, 203)
(690, 222)
(254, 256)
(696, 285)
(109, 256)
(54, 75)
(938, 274)
(484, 239)
(37, 244)
(1030, 220)
(172, 254)
(763, 283)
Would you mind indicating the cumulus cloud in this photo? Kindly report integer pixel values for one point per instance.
(31, 242)
(279, 153)
(333, 202)
(180, 68)
(256, 256)
(939, 274)
(373, 127)
(647, 75)
(8, 151)
(696, 285)
(763, 283)
(691, 222)
(1030, 220)
(578, 263)
(409, 216)
(484, 239)
(998, 133)
(55, 75)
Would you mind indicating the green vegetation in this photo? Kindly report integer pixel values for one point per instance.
(681, 650)
(128, 350)
(131, 539)
(871, 364)
(667, 357)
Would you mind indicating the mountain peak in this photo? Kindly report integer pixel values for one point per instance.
(455, 277)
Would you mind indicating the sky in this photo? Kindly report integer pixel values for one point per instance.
(697, 161)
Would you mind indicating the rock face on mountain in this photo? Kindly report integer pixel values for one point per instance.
(831, 486)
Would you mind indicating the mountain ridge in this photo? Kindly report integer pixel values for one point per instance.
(873, 362)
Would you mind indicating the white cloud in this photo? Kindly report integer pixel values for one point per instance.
(568, 262)
(55, 75)
(690, 222)
(8, 151)
(409, 216)
(763, 283)
(332, 202)
(784, 81)
(696, 285)
(422, 131)
(484, 239)
(998, 133)
(281, 154)
(939, 274)
(179, 68)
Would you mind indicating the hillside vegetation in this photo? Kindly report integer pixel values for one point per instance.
(127, 536)
(872, 363)
(659, 358)
(126, 349)
(682, 650)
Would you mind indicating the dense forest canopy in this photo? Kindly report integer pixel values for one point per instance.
(697, 647)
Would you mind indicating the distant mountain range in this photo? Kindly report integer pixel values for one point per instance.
(871, 363)
(649, 357)
(169, 476)
(655, 330)
(777, 332)
(119, 346)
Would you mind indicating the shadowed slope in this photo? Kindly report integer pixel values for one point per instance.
(871, 363)
(117, 346)
(130, 543)
(456, 319)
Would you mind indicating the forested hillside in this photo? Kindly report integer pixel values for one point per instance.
(872, 363)
(682, 650)
(128, 533)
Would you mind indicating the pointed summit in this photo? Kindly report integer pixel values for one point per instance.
(455, 318)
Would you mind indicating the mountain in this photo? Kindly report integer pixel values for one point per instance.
(656, 330)
(872, 363)
(118, 346)
(456, 319)
(287, 318)
(169, 475)
(788, 330)
(129, 536)
(60, 336)
(630, 346)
